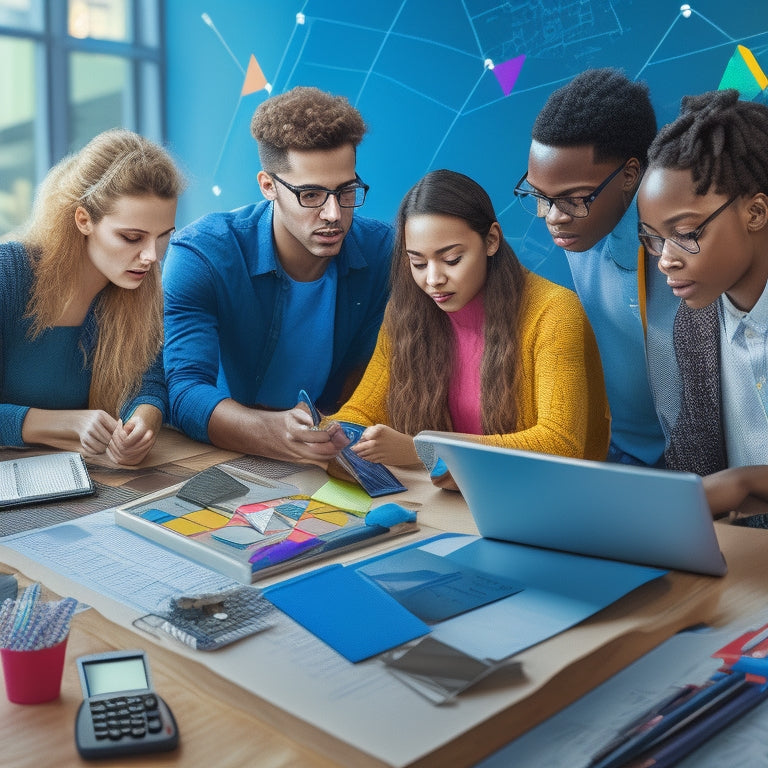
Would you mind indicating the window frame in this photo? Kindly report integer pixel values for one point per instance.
(53, 48)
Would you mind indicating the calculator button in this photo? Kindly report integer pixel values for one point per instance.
(137, 732)
(115, 734)
(150, 702)
(154, 725)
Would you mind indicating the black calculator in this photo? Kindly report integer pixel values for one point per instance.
(121, 713)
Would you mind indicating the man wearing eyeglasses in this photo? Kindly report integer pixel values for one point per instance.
(281, 295)
(585, 163)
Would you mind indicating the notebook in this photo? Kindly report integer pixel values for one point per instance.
(42, 478)
(633, 514)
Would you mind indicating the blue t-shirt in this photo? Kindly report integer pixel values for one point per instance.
(302, 355)
(225, 294)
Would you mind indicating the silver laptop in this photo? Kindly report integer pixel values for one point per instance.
(633, 514)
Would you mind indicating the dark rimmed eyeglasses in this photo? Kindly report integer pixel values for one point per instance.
(689, 242)
(348, 196)
(540, 205)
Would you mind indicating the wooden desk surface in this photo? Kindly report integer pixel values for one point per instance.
(223, 725)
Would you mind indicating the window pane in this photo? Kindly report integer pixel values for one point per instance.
(149, 23)
(17, 131)
(100, 96)
(149, 93)
(25, 14)
(100, 19)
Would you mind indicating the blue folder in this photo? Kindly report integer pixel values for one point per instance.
(346, 611)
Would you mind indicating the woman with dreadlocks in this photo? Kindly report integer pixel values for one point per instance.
(703, 207)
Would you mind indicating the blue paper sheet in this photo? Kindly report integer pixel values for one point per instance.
(434, 588)
(346, 611)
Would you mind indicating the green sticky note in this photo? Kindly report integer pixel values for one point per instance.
(344, 495)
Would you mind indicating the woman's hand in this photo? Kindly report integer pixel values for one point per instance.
(732, 489)
(444, 481)
(87, 431)
(130, 443)
(386, 446)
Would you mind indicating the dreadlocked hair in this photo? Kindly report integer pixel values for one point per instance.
(420, 332)
(723, 142)
(602, 108)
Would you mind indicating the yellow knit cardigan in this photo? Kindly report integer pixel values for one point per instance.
(562, 408)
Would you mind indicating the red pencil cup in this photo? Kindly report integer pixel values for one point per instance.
(33, 677)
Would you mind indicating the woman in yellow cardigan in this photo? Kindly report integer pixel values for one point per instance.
(474, 343)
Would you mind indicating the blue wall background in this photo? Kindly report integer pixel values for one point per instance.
(416, 71)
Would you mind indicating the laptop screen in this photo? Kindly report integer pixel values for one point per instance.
(633, 514)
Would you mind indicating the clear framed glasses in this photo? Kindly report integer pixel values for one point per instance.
(689, 242)
(348, 196)
(540, 205)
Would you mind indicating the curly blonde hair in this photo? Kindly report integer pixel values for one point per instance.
(114, 164)
(304, 118)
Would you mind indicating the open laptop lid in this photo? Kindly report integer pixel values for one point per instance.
(633, 514)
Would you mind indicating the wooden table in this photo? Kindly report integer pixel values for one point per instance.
(224, 725)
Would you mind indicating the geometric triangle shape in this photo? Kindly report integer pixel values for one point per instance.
(254, 78)
(744, 74)
(507, 72)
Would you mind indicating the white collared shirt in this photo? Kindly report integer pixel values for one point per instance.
(744, 384)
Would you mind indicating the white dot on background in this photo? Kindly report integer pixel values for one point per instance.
(686, 11)
(216, 189)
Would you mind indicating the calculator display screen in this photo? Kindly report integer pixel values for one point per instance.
(113, 676)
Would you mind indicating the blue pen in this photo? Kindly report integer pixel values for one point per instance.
(752, 666)
(640, 723)
(307, 400)
(661, 725)
(24, 613)
(671, 751)
(35, 636)
(6, 621)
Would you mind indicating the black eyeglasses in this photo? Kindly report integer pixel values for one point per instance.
(540, 205)
(689, 242)
(348, 196)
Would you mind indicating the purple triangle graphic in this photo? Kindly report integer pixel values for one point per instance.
(507, 72)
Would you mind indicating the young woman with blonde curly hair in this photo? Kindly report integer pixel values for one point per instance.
(81, 319)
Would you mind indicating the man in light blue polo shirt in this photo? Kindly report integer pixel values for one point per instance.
(278, 296)
(586, 161)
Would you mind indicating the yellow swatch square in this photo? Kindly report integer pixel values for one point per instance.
(184, 526)
(208, 518)
(333, 516)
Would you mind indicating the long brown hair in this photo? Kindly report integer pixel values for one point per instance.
(114, 164)
(420, 332)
